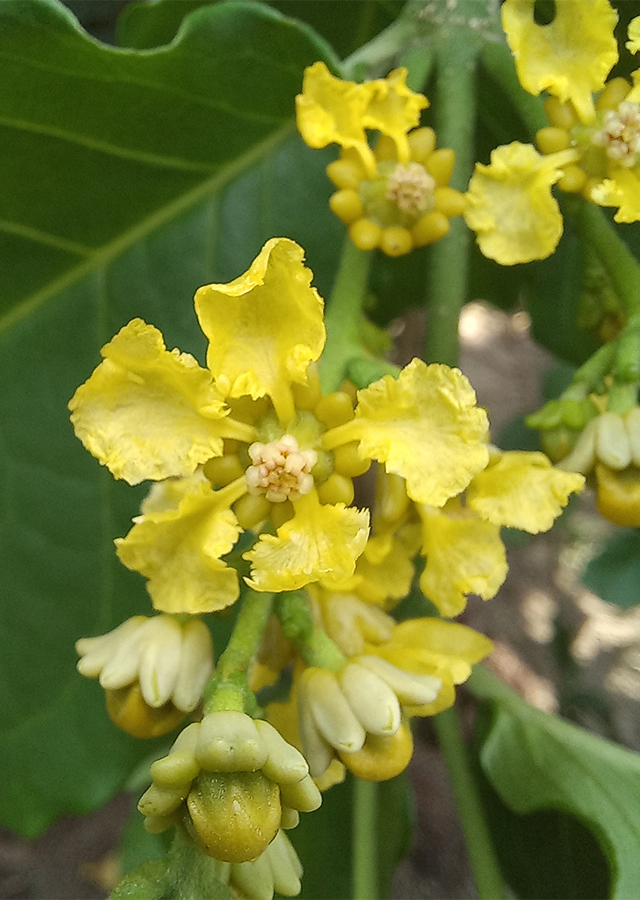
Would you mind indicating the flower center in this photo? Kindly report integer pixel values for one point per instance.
(620, 133)
(280, 470)
(410, 187)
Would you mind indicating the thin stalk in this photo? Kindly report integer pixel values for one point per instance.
(621, 265)
(456, 64)
(228, 687)
(365, 847)
(344, 311)
(246, 636)
(482, 856)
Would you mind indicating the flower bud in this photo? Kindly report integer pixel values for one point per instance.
(233, 781)
(235, 814)
(153, 671)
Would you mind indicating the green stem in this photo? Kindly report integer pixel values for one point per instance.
(228, 689)
(621, 265)
(313, 644)
(343, 315)
(365, 853)
(456, 62)
(479, 846)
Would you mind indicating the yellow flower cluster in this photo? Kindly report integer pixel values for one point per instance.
(591, 146)
(396, 196)
(356, 714)
(251, 442)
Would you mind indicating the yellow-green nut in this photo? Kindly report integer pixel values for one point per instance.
(235, 815)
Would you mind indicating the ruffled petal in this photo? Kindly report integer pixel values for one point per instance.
(425, 426)
(622, 189)
(331, 111)
(319, 542)
(147, 413)
(571, 56)
(633, 44)
(510, 205)
(394, 109)
(446, 650)
(430, 646)
(177, 542)
(522, 490)
(464, 555)
(388, 579)
(265, 327)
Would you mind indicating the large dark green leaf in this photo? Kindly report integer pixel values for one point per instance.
(345, 25)
(129, 179)
(537, 762)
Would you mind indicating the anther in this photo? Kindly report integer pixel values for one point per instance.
(410, 187)
(280, 470)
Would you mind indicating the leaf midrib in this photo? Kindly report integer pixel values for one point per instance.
(110, 251)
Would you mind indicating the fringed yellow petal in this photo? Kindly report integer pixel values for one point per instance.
(147, 413)
(430, 646)
(177, 542)
(394, 109)
(331, 111)
(318, 542)
(387, 580)
(522, 490)
(621, 190)
(425, 426)
(464, 555)
(265, 327)
(571, 56)
(510, 205)
(633, 44)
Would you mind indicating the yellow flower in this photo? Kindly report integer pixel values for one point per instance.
(464, 555)
(571, 56)
(461, 542)
(520, 489)
(432, 647)
(264, 328)
(396, 196)
(333, 111)
(319, 542)
(510, 205)
(633, 44)
(177, 541)
(252, 444)
(424, 426)
(184, 419)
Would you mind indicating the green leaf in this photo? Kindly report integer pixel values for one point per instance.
(345, 25)
(574, 866)
(145, 25)
(323, 842)
(539, 762)
(129, 180)
(552, 297)
(614, 574)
